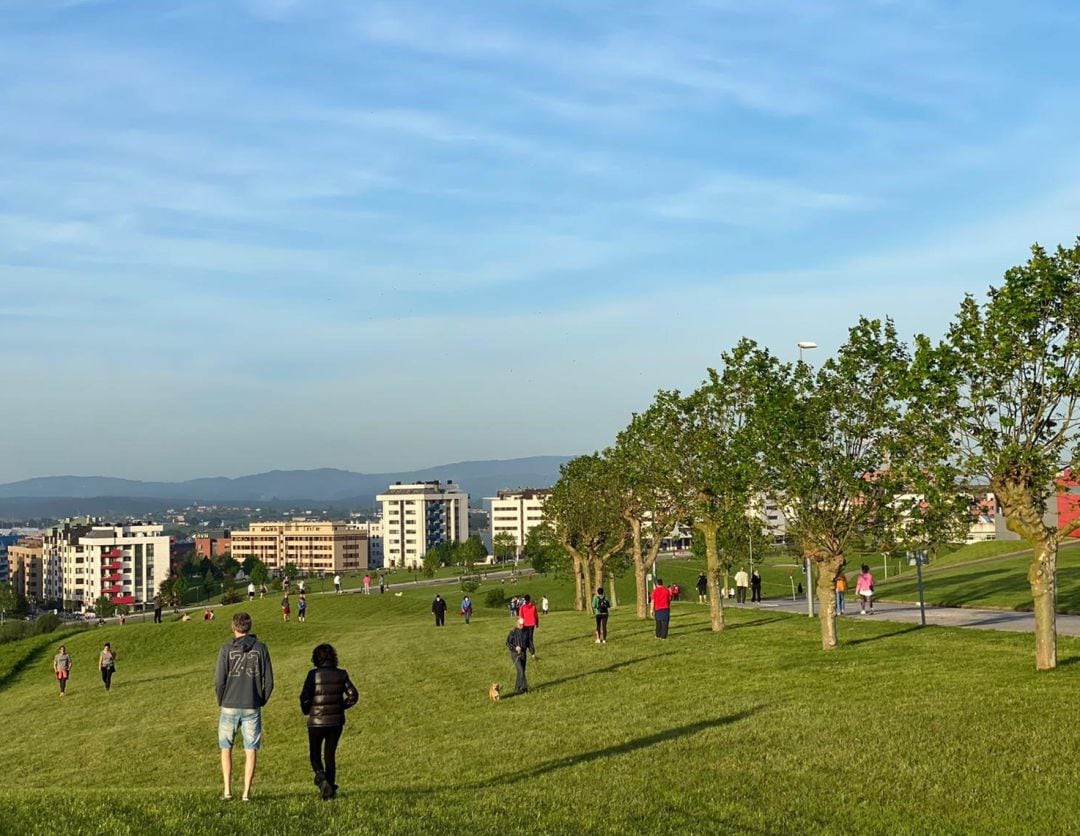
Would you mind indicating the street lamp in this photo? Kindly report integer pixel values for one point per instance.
(807, 345)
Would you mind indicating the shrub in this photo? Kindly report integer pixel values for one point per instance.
(496, 599)
(470, 586)
(46, 624)
(232, 596)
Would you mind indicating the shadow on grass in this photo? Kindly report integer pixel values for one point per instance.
(912, 628)
(730, 625)
(609, 669)
(31, 657)
(598, 754)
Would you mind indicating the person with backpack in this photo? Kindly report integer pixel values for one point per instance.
(107, 665)
(327, 694)
(702, 589)
(466, 608)
(600, 607)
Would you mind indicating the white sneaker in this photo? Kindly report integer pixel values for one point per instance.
(862, 612)
(598, 641)
(604, 641)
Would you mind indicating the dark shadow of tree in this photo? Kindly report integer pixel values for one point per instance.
(570, 761)
(913, 628)
(31, 657)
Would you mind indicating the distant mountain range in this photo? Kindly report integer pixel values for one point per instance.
(326, 485)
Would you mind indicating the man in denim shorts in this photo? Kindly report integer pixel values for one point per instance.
(244, 680)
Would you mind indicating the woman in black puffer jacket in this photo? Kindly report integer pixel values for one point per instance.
(328, 691)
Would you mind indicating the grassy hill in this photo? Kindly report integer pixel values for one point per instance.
(754, 730)
(979, 576)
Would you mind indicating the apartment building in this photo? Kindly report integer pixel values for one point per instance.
(24, 570)
(373, 529)
(517, 513)
(212, 545)
(418, 516)
(309, 545)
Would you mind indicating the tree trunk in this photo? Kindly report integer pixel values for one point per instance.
(1023, 516)
(1041, 577)
(712, 559)
(650, 566)
(637, 558)
(598, 577)
(829, 568)
(579, 592)
(611, 589)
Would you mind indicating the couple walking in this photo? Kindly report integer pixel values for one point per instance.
(244, 682)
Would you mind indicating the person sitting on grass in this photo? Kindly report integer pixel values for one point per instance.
(326, 695)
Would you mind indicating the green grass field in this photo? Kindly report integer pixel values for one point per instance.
(978, 576)
(754, 730)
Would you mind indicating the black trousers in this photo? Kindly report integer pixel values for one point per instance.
(322, 748)
(740, 594)
(157, 616)
(106, 677)
(530, 645)
(755, 593)
(520, 660)
(601, 627)
(663, 620)
(440, 619)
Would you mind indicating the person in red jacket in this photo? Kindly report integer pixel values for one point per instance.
(531, 617)
(661, 605)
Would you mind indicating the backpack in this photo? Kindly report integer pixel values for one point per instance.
(602, 606)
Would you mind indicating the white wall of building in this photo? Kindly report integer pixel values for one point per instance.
(416, 517)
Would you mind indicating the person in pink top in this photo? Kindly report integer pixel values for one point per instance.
(864, 588)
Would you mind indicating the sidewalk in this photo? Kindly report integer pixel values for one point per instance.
(981, 619)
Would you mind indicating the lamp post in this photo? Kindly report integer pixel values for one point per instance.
(807, 345)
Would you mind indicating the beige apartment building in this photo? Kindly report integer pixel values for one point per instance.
(310, 546)
(517, 513)
(25, 570)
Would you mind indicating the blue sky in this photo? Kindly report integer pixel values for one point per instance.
(297, 233)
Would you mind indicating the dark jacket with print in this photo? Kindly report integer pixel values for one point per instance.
(244, 677)
(324, 696)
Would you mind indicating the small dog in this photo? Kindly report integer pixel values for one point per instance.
(494, 692)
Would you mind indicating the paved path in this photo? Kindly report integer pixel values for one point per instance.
(982, 619)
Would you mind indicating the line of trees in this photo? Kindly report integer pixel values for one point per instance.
(872, 450)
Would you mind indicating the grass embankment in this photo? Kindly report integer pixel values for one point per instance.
(981, 576)
(754, 730)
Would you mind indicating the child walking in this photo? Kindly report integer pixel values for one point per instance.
(864, 588)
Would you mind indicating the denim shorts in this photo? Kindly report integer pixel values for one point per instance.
(248, 720)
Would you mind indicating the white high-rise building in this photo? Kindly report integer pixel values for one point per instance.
(418, 516)
(125, 563)
(517, 513)
(374, 531)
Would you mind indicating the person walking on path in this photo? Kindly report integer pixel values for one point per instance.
(382, 584)
(600, 607)
(545, 605)
(107, 665)
(742, 583)
(661, 606)
(702, 588)
(159, 603)
(515, 643)
(864, 588)
(337, 584)
(243, 682)
(251, 591)
(841, 590)
(301, 608)
(466, 608)
(326, 695)
(286, 610)
(438, 606)
(755, 586)
(367, 584)
(531, 618)
(62, 668)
